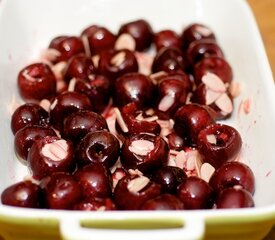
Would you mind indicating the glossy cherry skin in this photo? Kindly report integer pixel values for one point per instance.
(169, 59)
(141, 31)
(51, 154)
(99, 38)
(98, 147)
(234, 198)
(133, 87)
(61, 191)
(67, 46)
(36, 82)
(95, 204)
(78, 124)
(195, 193)
(163, 202)
(219, 143)
(169, 178)
(166, 38)
(175, 142)
(203, 48)
(216, 65)
(115, 63)
(95, 181)
(130, 195)
(190, 119)
(79, 67)
(144, 152)
(28, 113)
(193, 32)
(65, 104)
(231, 174)
(22, 194)
(97, 89)
(25, 137)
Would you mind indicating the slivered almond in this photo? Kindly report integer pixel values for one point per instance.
(198, 165)
(53, 104)
(156, 76)
(95, 60)
(135, 172)
(180, 159)
(224, 103)
(56, 151)
(141, 147)
(211, 96)
(147, 119)
(204, 31)
(166, 102)
(118, 59)
(235, 89)
(86, 45)
(72, 85)
(206, 171)
(125, 41)
(120, 120)
(145, 62)
(137, 184)
(213, 82)
(50, 54)
(211, 138)
(45, 104)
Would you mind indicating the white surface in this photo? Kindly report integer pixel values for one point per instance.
(26, 27)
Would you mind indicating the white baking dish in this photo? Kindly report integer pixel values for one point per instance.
(27, 26)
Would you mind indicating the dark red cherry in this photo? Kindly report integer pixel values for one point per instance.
(203, 48)
(195, 193)
(51, 154)
(95, 204)
(235, 198)
(99, 39)
(22, 194)
(97, 89)
(168, 59)
(163, 202)
(25, 137)
(26, 114)
(95, 181)
(231, 174)
(133, 87)
(79, 67)
(61, 191)
(98, 147)
(78, 124)
(67, 46)
(166, 38)
(190, 119)
(131, 192)
(141, 31)
(175, 142)
(114, 64)
(219, 143)
(36, 82)
(169, 178)
(145, 152)
(65, 104)
(216, 65)
(195, 32)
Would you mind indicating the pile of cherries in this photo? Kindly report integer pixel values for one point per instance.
(114, 122)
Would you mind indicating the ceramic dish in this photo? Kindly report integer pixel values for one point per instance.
(27, 26)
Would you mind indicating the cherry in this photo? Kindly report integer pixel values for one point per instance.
(99, 39)
(36, 82)
(65, 104)
(132, 191)
(25, 137)
(216, 65)
(168, 59)
(231, 174)
(166, 38)
(51, 154)
(79, 67)
(190, 119)
(141, 31)
(194, 32)
(67, 46)
(175, 142)
(26, 114)
(144, 152)
(98, 147)
(219, 143)
(22, 194)
(234, 198)
(133, 87)
(61, 191)
(95, 204)
(115, 63)
(169, 178)
(94, 180)
(163, 202)
(78, 124)
(195, 193)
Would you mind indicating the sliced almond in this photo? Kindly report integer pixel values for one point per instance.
(120, 120)
(158, 75)
(224, 103)
(166, 102)
(204, 31)
(118, 59)
(206, 171)
(45, 104)
(235, 89)
(71, 86)
(53, 104)
(86, 45)
(125, 41)
(135, 172)
(95, 60)
(213, 82)
(211, 96)
(145, 62)
(141, 147)
(211, 138)
(180, 159)
(147, 119)
(56, 151)
(137, 184)
(50, 54)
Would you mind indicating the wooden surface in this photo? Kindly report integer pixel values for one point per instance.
(264, 11)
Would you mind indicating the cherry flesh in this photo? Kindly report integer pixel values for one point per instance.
(166, 38)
